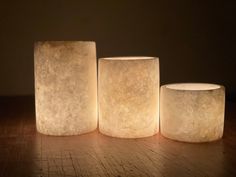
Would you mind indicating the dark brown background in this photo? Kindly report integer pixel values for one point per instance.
(195, 40)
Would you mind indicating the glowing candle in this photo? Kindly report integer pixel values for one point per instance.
(129, 96)
(65, 87)
(192, 112)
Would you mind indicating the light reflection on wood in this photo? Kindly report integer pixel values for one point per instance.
(23, 152)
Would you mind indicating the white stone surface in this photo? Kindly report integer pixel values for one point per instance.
(65, 87)
(192, 112)
(129, 96)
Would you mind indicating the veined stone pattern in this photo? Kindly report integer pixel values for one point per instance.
(129, 96)
(65, 87)
(192, 115)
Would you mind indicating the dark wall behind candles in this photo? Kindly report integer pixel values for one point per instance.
(195, 40)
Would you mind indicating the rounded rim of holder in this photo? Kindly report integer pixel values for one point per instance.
(193, 86)
(125, 58)
(63, 42)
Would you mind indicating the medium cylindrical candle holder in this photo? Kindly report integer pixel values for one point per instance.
(65, 87)
(129, 96)
(192, 112)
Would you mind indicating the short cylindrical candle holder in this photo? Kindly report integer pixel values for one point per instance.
(192, 112)
(129, 96)
(65, 87)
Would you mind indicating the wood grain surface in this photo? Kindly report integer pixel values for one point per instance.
(24, 152)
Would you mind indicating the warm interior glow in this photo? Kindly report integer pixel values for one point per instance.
(65, 87)
(193, 86)
(192, 112)
(129, 96)
(129, 58)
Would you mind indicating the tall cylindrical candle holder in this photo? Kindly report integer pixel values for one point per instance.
(129, 96)
(192, 112)
(65, 87)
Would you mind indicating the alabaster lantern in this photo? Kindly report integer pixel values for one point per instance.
(65, 87)
(192, 112)
(129, 96)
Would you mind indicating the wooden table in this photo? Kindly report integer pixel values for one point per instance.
(24, 152)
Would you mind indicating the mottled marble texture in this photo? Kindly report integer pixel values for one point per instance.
(192, 115)
(129, 96)
(65, 87)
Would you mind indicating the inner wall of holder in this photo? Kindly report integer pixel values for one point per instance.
(129, 58)
(193, 86)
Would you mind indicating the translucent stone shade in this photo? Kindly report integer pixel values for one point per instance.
(129, 96)
(192, 112)
(65, 87)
